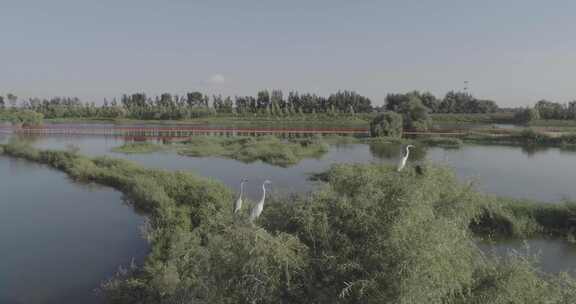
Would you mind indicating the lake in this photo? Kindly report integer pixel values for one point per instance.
(62, 227)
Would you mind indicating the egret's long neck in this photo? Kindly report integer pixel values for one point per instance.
(263, 193)
(407, 151)
(241, 189)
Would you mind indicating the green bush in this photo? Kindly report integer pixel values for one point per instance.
(526, 116)
(415, 114)
(388, 124)
(24, 118)
(376, 236)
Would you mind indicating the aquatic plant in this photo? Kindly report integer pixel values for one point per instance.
(138, 147)
(268, 149)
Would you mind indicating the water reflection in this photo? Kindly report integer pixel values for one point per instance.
(53, 233)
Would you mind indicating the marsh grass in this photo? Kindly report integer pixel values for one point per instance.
(491, 118)
(525, 137)
(268, 149)
(368, 234)
(278, 151)
(139, 147)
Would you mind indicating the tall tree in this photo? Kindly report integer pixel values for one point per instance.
(12, 99)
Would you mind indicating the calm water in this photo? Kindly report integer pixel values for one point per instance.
(553, 256)
(58, 239)
(63, 227)
(544, 175)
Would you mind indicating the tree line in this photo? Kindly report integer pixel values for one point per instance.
(545, 109)
(453, 102)
(265, 103)
(196, 104)
(411, 110)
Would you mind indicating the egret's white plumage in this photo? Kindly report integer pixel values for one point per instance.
(404, 158)
(259, 207)
(238, 203)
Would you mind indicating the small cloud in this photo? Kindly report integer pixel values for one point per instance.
(216, 79)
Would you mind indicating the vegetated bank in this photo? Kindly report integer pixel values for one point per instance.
(268, 149)
(139, 147)
(526, 137)
(20, 117)
(369, 235)
(477, 118)
(228, 120)
(286, 152)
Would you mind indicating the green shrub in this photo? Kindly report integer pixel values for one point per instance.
(24, 118)
(527, 116)
(376, 236)
(388, 124)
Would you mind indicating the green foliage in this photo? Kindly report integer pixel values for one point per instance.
(410, 105)
(198, 253)
(376, 236)
(24, 118)
(526, 137)
(550, 110)
(194, 105)
(453, 102)
(464, 102)
(368, 235)
(526, 116)
(504, 217)
(388, 124)
(268, 149)
(414, 112)
(478, 118)
(138, 147)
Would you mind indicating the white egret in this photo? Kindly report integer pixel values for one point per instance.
(238, 203)
(257, 210)
(404, 158)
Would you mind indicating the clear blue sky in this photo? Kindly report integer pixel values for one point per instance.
(514, 52)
